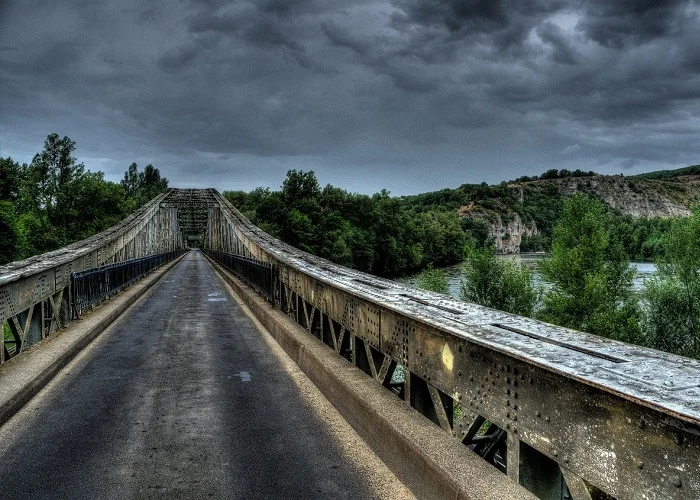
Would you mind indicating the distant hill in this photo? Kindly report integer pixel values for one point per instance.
(679, 174)
(519, 215)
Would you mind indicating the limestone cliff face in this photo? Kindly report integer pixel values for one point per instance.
(636, 197)
(507, 231)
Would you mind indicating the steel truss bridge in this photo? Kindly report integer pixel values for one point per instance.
(562, 413)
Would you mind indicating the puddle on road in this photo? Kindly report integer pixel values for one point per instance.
(215, 297)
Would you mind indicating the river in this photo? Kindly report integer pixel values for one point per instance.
(455, 275)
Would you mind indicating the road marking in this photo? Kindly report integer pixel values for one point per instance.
(245, 376)
(217, 299)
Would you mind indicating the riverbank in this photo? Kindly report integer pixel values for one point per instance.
(455, 273)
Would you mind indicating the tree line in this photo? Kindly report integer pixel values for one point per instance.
(591, 282)
(54, 200)
(379, 234)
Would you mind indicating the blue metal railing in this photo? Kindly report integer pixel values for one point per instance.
(254, 273)
(92, 286)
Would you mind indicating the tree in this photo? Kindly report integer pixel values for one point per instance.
(497, 283)
(10, 178)
(8, 233)
(590, 275)
(434, 280)
(673, 298)
(141, 187)
(53, 170)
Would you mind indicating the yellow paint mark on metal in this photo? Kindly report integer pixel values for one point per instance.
(447, 357)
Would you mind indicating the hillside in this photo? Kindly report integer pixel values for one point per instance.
(519, 215)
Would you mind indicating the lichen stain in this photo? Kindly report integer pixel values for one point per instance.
(447, 357)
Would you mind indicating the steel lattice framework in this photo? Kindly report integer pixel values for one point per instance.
(564, 413)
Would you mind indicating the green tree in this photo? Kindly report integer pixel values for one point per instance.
(498, 283)
(434, 280)
(8, 233)
(10, 180)
(141, 187)
(590, 275)
(673, 297)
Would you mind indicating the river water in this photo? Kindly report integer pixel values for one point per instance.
(455, 274)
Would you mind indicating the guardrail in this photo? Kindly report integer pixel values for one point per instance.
(256, 274)
(93, 286)
(36, 296)
(566, 414)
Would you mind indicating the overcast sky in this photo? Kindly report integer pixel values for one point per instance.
(408, 95)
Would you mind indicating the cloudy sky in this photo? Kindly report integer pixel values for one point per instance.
(408, 95)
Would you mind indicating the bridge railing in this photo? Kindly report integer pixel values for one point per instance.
(36, 295)
(256, 274)
(564, 413)
(93, 286)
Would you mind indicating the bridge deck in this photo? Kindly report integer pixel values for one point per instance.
(183, 397)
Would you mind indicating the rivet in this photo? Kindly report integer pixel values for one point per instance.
(677, 482)
(459, 373)
(503, 368)
(507, 380)
(508, 368)
(507, 426)
(538, 414)
(507, 402)
(640, 465)
(531, 381)
(515, 418)
(508, 391)
(459, 348)
(678, 438)
(555, 453)
(641, 424)
(566, 460)
(546, 418)
(507, 414)
(515, 407)
(490, 372)
(515, 430)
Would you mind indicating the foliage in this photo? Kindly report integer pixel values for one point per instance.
(498, 283)
(669, 174)
(140, 187)
(673, 297)
(590, 275)
(54, 201)
(380, 234)
(8, 232)
(434, 280)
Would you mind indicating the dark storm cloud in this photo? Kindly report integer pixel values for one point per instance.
(405, 94)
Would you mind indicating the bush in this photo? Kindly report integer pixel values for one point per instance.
(497, 283)
(434, 280)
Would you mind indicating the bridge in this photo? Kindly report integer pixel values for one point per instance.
(183, 392)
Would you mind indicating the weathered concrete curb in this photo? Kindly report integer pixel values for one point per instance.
(423, 456)
(22, 377)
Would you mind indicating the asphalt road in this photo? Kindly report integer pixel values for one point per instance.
(181, 398)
